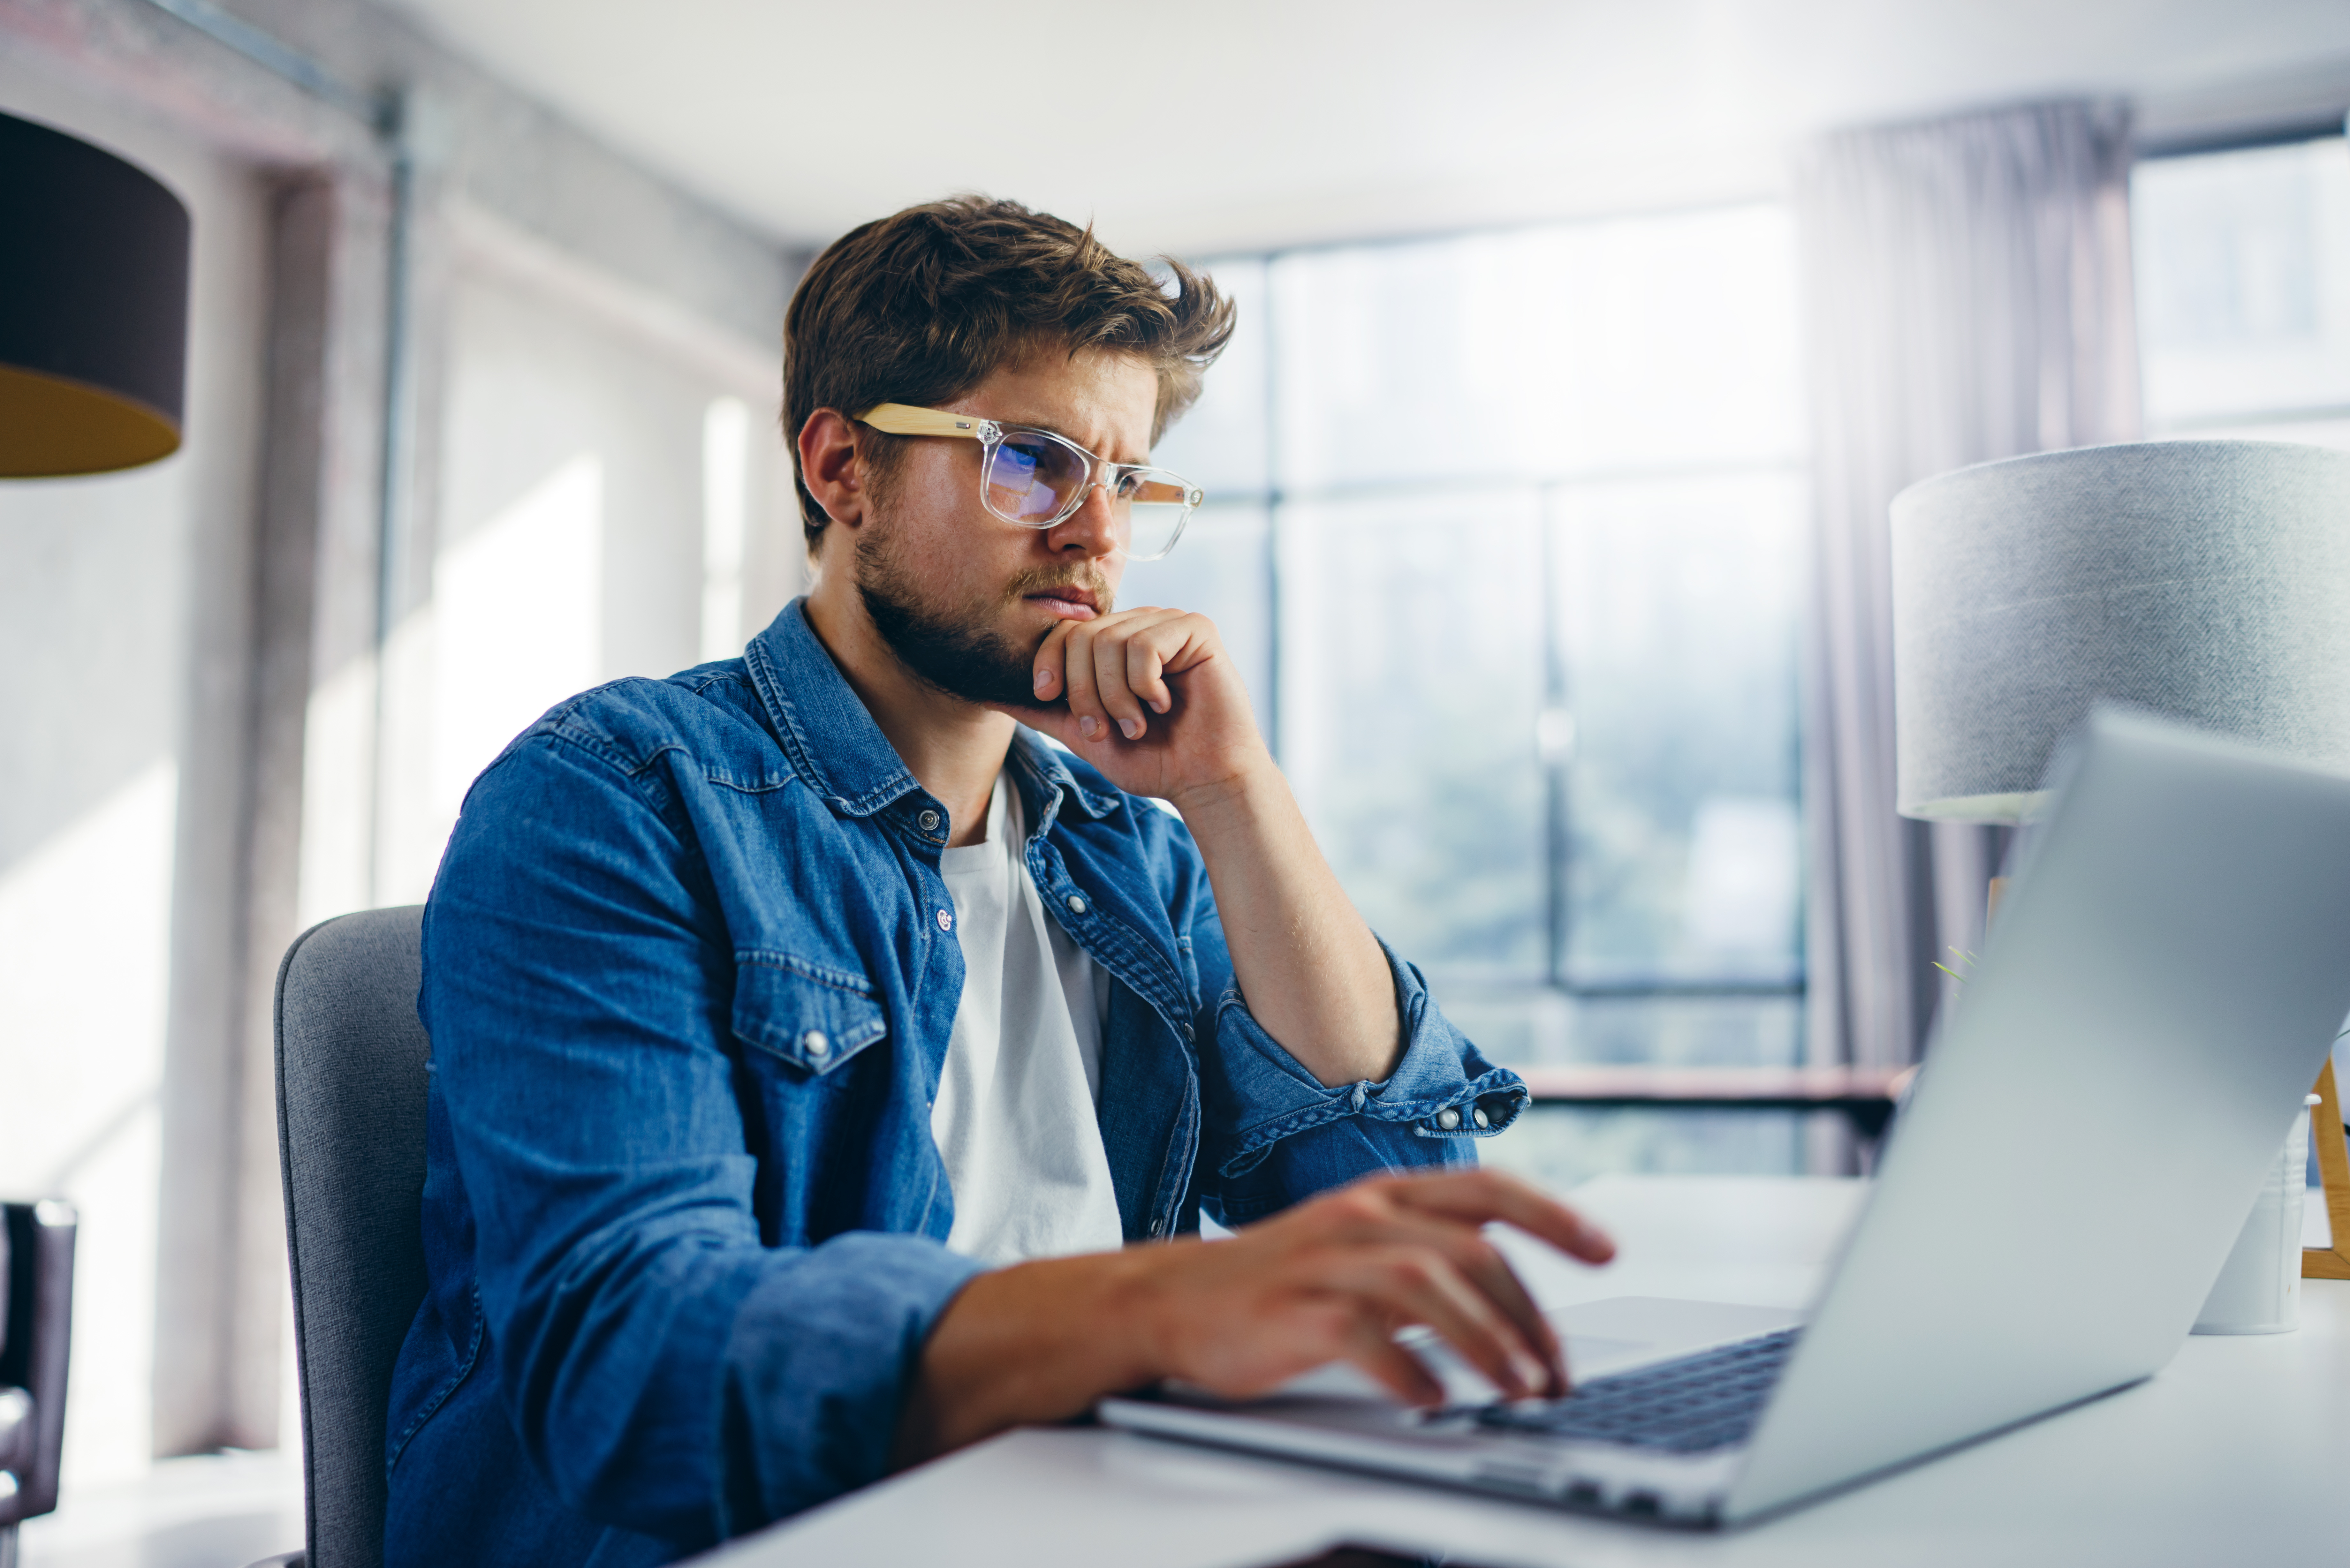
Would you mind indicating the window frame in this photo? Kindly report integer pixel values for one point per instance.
(1554, 982)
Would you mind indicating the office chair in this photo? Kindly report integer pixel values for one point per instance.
(350, 1142)
(36, 1257)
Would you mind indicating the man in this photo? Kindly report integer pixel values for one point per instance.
(828, 1073)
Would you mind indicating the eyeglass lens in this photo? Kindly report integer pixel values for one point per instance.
(1032, 480)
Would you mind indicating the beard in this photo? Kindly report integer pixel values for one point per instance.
(963, 654)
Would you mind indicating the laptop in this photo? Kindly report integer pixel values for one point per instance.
(2170, 967)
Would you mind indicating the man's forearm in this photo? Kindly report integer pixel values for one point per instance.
(1312, 973)
(1328, 1280)
(1039, 1341)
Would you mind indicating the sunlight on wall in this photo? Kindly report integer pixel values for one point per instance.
(85, 957)
(338, 792)
(725, 503)
(518, 626)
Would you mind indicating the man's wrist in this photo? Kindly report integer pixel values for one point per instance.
(1035, 1342)
(1236, 796)
(1133, 1297)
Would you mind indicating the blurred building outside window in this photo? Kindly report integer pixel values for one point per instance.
(2242, 259)
(1505, 531)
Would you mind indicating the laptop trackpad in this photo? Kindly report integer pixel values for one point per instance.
(1602, 1338)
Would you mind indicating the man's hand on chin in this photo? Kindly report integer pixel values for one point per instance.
(1331, 1280)
(1152, 700)
(1155, 703)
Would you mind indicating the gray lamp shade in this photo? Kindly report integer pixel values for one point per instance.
(2207, 580)
(93, 307)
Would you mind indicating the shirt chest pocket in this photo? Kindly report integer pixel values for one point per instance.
(813, 1023)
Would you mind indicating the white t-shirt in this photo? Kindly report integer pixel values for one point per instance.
(1014, 1113)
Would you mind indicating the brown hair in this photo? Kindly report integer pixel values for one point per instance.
(922, 307)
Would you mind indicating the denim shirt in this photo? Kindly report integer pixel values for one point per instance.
(689, 974)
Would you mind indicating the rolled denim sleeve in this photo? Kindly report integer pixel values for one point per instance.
(816, 1368)
(1277, 1134)
(663, 1367)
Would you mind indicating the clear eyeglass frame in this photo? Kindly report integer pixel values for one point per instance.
(1157, 502)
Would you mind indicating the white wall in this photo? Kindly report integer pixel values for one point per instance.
(575, 493)
(123, 603)
(169, 701)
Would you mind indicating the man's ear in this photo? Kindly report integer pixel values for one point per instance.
(830, 468)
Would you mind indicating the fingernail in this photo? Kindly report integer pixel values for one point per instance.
(1085, 726)
(1532, 1376)
(1043, 678)
(1133, 728)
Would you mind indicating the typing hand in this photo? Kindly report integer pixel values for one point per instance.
(1331, 1280)
(1335, 1277)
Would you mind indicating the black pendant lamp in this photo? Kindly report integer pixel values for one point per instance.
(93, 308)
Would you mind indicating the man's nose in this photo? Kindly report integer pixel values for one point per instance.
(1092, 529)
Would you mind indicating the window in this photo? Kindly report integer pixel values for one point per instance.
(2243, 291)
(1505, 531)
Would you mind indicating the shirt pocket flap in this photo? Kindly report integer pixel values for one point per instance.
(810, 1023)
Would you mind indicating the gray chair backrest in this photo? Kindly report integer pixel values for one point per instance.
(350, 1142)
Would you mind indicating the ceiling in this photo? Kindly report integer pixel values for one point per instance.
(1222, 124)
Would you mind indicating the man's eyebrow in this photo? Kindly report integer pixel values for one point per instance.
(1048, 426)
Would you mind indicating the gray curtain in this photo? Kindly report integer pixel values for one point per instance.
(1967, 290)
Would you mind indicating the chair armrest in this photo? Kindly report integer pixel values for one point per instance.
(40, 1331)
(17, 1432)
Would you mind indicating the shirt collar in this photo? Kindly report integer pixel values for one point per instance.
(834, 743)
(1047, 765)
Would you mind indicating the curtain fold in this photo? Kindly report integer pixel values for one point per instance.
(1967, 295)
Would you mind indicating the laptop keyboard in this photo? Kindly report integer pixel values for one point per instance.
(1709, 1400)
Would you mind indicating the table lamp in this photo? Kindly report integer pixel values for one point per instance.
(93, 308)
(2206, 580)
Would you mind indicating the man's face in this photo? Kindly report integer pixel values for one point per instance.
(963, 596)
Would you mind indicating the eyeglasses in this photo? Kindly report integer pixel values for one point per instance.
(1035, 478)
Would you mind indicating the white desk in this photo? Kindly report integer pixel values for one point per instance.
(2237, 1452)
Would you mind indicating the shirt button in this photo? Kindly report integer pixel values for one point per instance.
(1076, 904)
(1448, 1118)
(1362, 1093)
(1480, 1117)
(816, 1044)
(930, 821)
(946, 920)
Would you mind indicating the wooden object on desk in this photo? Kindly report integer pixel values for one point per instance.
(2333, 1168)
(1864, 1094)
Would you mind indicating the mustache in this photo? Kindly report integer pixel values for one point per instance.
(1023, 584)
